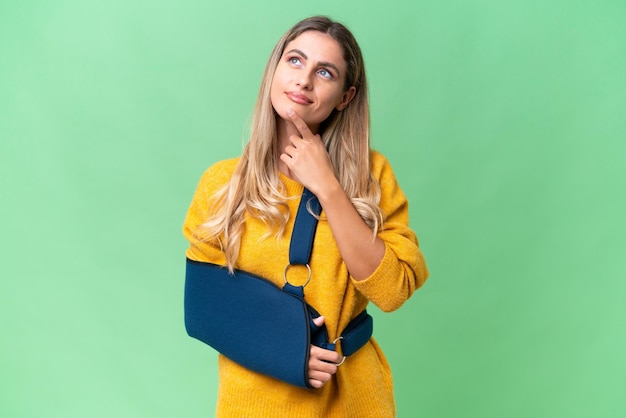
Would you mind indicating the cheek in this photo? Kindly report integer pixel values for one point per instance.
(277, 100)
(333, 99)
(274, 92)
(278, 79)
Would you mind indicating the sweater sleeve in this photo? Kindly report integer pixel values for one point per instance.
(402, 269)
(211, 181)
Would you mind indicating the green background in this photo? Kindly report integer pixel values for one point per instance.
(504, 121)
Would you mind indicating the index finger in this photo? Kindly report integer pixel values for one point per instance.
(300, 125)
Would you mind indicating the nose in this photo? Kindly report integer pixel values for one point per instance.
(303, 80)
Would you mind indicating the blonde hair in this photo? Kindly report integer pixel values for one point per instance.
(255, 186)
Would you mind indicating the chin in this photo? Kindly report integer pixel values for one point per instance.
(312, 122)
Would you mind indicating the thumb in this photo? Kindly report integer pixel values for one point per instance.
(319, 321)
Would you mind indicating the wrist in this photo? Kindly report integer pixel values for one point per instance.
(330, 191)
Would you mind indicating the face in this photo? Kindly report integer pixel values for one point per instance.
(310, 79)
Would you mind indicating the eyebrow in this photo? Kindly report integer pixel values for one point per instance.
(320, 63)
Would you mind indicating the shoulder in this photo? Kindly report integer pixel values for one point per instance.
(381, 167)
(392, 195)
(377, 160)
(225, 167)
(219, 173)
(216, 176)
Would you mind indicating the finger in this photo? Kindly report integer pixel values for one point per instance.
(289, 150)
(318, 353)
(320, 376)
(317, 384)
(322, 367)
(319, 321)
(300, 125)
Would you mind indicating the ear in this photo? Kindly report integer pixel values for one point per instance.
(346, 98)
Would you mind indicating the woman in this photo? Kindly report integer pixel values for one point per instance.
(311, 129)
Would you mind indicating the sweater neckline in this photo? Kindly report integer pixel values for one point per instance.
(292, 187)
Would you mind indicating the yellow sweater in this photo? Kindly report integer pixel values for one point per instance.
(362, 386)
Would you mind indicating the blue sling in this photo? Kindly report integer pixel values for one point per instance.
(257, 324)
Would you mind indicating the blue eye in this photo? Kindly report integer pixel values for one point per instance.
(325, 73)
(294, 60)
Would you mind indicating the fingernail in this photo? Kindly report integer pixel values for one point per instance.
(289, 112)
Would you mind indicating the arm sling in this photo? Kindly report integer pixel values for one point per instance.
(259, 325)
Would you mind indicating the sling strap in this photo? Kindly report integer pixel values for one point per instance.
(304, 229)
(360, 329)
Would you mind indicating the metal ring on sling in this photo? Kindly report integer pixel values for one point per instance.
(344, 357)
(287, 268)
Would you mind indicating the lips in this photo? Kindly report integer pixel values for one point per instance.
(298, 98)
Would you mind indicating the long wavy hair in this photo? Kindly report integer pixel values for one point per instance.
(255, 186)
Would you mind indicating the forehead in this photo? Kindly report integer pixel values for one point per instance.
(318, 47)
